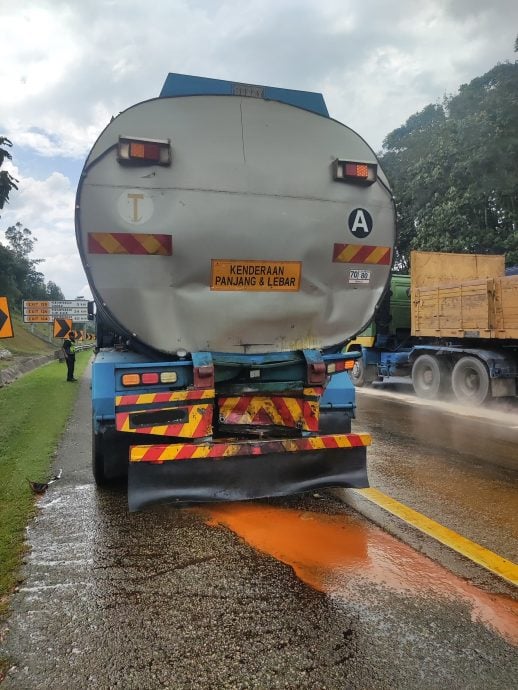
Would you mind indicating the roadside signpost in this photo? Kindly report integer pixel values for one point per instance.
(45, 311)
(59, 314)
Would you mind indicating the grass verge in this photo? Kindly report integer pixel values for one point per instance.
(33, 413)
(25, 343)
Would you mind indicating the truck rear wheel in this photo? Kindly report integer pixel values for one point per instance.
(362, 374)
(99, 459)
(110, 454)
(430, 377)
(470, 381)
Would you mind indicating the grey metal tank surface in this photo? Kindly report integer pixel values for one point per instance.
(249, 196)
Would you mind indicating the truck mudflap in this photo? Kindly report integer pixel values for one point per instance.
(236, 471)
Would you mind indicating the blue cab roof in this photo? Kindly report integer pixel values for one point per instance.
(188, 85)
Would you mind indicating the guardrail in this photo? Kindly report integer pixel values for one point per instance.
(79, 348)
(85, 346)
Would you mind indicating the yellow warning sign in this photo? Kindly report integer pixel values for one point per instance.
(258, 276)
(62, 327)
(6, 325)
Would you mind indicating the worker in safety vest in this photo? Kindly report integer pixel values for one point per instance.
(69, 349)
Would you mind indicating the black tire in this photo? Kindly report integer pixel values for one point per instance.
(430, 377)
(110, 456)
(362, 375)
(99, 459)
(470, 381)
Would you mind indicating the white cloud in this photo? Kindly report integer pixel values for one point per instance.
(68, 66)
(46, 208)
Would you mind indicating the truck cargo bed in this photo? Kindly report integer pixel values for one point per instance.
(485, 308)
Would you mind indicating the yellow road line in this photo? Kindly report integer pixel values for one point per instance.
(487, 559)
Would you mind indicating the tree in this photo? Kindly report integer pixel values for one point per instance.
(7, 181)
(19, 277)
(54, 292)
(30, 281)
(20, 239)
(454, 171)
(8, 276)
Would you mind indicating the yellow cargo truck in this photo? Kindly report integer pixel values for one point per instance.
(463, 336)
(464, 312)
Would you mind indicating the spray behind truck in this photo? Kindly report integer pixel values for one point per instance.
(234, 236)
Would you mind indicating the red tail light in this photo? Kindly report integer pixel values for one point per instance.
(146, 151)
(343, 365)
(150, 378)
(355, 172)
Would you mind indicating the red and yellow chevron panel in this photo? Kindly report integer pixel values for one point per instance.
(130, 243)
(260, 410)
(361, 254)
(198, 424)
(175, 396)
(214, 451)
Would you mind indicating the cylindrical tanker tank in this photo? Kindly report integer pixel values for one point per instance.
(230, 223)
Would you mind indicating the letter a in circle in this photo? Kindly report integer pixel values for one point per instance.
(360, 222)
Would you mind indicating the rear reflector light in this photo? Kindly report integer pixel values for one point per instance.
(355, 172)
(144, 151)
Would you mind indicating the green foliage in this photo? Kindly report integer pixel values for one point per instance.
(7, 181)
(54, 292)
(28, 340)
(19, 278)
(454, 171)
(20, 239)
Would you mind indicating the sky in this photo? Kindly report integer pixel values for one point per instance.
(67, 66)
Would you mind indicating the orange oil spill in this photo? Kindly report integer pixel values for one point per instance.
(335, 553)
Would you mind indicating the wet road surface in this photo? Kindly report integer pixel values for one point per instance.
(295, 593)
(455, 465)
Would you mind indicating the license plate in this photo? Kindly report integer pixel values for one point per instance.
(359, 276)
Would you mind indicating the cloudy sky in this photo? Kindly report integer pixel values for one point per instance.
(67, 66)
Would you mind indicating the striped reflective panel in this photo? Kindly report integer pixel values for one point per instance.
(212, 451)
(129, 243)
(199, 424)
(176, 396)
(261, 410)
(361, 254)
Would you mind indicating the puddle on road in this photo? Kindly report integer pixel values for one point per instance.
(332, 552)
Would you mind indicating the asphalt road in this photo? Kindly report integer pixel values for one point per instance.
(456, 465)
(295, 593)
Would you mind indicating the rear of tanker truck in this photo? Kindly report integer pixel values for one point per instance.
(234, 237)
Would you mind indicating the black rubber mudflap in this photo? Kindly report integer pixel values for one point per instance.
(245, 477)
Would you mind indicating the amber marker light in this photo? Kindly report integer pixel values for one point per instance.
(130, 379)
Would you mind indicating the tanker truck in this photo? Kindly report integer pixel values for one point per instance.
(234, 237)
